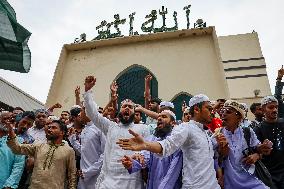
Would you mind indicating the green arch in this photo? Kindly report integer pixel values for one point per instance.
(177, 100)
(131, 84)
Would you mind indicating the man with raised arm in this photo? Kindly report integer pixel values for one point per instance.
(198, 163)
(54, 161)
(113, 174)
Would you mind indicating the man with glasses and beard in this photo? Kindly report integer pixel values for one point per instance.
(163, 172)
(113, 174)
(272, 128)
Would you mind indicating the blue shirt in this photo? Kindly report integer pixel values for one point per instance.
(236, 174)
(11, 165)
(164, 173)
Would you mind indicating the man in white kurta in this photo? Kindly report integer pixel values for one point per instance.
(193, 140)
(113, 175)
(90, 148)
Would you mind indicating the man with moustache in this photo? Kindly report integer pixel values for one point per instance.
(163, 172)
(238, 165)
(26, 121)
(54, 161)
(37, 131)
(193, 140)
(113, 174)
(272, 128)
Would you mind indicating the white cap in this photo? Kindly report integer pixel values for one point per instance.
(197, 99)
(268, 99)
(245, 106)
(171, 113)
(167, 104)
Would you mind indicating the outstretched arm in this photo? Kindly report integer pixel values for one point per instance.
(92, 109)
(149, 113)
(165, 147)
(137, 143)
(20, 149)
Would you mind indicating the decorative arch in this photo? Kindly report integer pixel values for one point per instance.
(131, 84)
(177, 100)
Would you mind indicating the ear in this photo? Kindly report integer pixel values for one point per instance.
(173, 123)
(196, 109)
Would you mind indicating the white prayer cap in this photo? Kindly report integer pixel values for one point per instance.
(268, 99)
(171, 113)
(167, 104)
(53, 117)
(197, 99)
(75, 106)
(186, 110)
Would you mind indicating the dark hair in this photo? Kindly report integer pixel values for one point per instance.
(66, 112)
(62, 126)
(221, 100)
(191, 110)
(75, 111)
(157, 100)
(18, 108)
(135, 111)
(28, 114)
(253, 107)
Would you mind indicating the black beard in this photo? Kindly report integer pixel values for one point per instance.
(51, 137)
(162, 132)
(124, 121)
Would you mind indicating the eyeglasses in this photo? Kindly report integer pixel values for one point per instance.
(227, 110)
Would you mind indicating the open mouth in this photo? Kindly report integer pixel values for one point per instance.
(160, 124)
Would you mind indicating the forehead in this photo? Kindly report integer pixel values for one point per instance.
(272, 104)
(164, 114)
(41, 114)
(53, 124)
(27, 119)
(127, 104)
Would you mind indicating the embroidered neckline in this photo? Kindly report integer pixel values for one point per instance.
(50, 154)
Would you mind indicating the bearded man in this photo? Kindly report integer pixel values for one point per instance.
(54, 161)
(163, 172)
(113, 174)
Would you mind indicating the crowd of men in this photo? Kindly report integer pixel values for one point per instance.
(213, 146)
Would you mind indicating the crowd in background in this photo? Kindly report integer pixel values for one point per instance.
(214, 146)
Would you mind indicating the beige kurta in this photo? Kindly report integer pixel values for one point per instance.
(53, 176)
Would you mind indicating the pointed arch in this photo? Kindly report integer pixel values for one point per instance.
(131, 84)
(177, 100)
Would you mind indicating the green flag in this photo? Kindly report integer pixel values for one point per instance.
(15, 54)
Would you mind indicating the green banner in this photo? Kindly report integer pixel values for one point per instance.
(15, 54)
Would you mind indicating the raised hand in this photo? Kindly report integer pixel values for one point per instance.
(280, 73)
(113, 87)
(136, 143)
(77, 91)
(90, 81)
(57, 105)
(148, 78)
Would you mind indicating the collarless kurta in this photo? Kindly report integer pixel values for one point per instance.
(113, 173)
(49, 175)
(198, 163)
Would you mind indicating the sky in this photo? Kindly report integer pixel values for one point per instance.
(54, 23)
